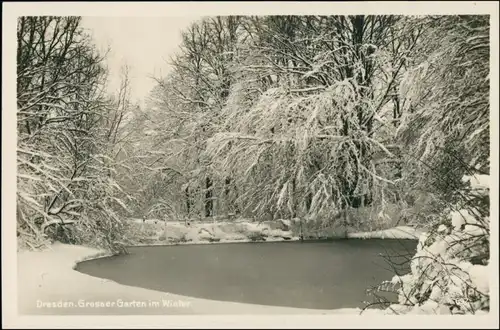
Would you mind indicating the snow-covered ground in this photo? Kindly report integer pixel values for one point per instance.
(156, 232)
(400, 232)
(48, 277)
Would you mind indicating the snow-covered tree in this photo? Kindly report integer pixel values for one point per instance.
(303, 118)
(64, 131)
(445, 128)
(445, 102)
(186, 108)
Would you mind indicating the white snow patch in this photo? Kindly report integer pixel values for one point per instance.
(442, 228)
(457, 219)
(480, 278)
(287, 222)
(479, 181)
(401, 232)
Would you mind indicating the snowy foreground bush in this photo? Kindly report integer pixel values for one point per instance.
(449, 272)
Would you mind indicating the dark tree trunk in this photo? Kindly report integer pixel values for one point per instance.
(209, 203)
(188, 200)
(308, 202)
(365, 119)
(396, 120)
(294, 199)
(227, 189)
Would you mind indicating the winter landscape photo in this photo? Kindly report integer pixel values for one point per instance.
(253, 164)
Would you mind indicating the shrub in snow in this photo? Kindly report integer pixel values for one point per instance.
(449, 272)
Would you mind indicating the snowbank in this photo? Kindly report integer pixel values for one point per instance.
(161, 233)
(48, 284)
(450, 271)
(401, 232)
(223, 241)
(156, 232)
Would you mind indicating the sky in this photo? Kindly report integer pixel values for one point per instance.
(143, 43)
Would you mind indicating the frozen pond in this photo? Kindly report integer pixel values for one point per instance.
(318, 275)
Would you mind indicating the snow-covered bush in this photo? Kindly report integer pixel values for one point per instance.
(449, 272)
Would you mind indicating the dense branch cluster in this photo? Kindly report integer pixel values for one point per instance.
(67, 130)
(308, 116)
